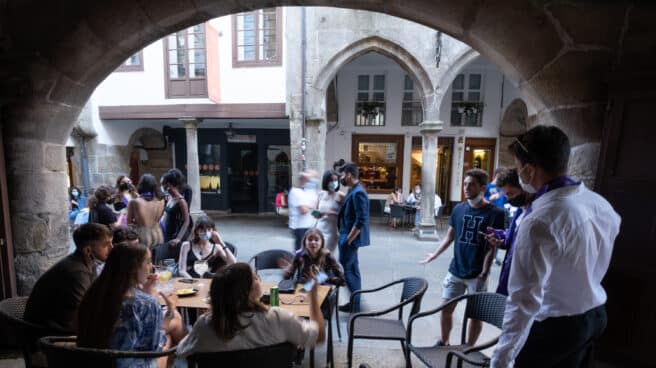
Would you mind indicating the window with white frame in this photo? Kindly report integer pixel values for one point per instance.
(370, 100)
(411, 111)
(257, 38)
(467, 100)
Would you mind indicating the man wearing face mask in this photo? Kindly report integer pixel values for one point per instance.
(508, 181)
(57, 294)
(353, 222)
(472, 255)
(555, 308)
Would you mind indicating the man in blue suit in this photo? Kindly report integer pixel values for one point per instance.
(353, 222)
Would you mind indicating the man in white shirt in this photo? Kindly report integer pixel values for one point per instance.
(555, 309)
(302, 200)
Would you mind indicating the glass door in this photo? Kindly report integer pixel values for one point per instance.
(279, 173)
(243, 175)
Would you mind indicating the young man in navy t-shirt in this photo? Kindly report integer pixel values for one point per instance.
(472, 255)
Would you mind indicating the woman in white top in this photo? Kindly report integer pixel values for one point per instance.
(205, 245)
(239, 321)
(330, 200)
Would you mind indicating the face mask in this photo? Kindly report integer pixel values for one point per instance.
(343, 181)
(166, 192)
(309, 186)
(333, 185)
(518, 201)
(527, 187)
(204, 236)
(75, 193)
(124, 186)
(418, 191)
(475, 201)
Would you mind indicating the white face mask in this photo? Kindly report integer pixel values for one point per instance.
(527, 187)
(476, 200)
(333, 185)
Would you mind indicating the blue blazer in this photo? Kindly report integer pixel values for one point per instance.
(355, 212)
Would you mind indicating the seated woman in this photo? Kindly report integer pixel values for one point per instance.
(117, 313)
(77, 202)
(239, 321)
(312, 258)
(205, 245)
(396, 197)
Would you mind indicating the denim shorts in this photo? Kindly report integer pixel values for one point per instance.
(454, 286)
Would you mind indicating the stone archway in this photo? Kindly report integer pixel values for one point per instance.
(513, 123)
(53, 67)
(149, 153)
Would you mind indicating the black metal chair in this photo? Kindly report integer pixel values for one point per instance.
(439, 217)
(232, 247)
(62, 352)
(398, 212)
(366, 326)
(275, 356)
(485, 307)
(269, 259)
(26, 333)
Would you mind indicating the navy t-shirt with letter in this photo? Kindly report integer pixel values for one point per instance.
(469, 247)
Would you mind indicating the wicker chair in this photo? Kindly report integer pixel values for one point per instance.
(27, 333)
(275, 356)
(366, 326)
(62, 352)
(485, 307)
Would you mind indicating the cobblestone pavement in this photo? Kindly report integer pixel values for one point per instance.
(393, 254)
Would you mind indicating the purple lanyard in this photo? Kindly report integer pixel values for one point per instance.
(559, 182)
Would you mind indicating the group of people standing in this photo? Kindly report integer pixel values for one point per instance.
(558, 248)
(342, 219)
(413, 199)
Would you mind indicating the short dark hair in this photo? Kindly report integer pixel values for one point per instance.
(479, 175)
(350, 168)
(545, 146)
(124, 234)
(89, 233)
(509, 177)
(171, 178)
(326, 179)
(103, 193)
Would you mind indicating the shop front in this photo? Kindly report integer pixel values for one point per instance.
(240, 170)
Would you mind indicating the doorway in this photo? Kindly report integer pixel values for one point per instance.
(480, 154)
(7, 273)
(243, 177)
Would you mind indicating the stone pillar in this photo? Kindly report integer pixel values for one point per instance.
(193, 177)
(37, 184)
(315, 154)
(429, 131)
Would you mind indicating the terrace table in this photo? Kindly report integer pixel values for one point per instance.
(297, 303)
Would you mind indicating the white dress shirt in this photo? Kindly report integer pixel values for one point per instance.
(562, 252)
(301, 198)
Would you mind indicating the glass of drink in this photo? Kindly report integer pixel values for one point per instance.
(201, 267)
(164, 283)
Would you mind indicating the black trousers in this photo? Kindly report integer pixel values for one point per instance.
(563, 342)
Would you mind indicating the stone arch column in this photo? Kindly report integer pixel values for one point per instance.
(316, 92)
(513, 123)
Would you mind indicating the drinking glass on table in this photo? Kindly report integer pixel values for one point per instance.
(164, 283)
(201, 267)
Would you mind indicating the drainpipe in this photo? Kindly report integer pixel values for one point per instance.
(84, 164)
(303, 71)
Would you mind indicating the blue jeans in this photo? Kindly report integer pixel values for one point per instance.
(348, 257)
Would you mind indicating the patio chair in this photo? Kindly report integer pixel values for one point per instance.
(62, 352)
(26, 333)
(398, 212)
(485, 307)
(274, 356)
(366, 325)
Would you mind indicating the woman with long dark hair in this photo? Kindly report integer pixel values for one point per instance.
(312, 258)
(116, 313)
(205, 245)
(144, 212)
(330, 200)
(77, 202)
(238, 320)
(177, 221)
(125, 192)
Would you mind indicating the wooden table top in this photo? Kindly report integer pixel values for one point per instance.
(297, 303)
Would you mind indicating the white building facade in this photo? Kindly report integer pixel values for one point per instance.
(268, 93)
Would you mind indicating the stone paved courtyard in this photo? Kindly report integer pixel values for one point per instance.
(394, 254)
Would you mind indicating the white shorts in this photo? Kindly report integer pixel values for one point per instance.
(454, 286)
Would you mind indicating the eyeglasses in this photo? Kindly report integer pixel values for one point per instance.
(521, 144)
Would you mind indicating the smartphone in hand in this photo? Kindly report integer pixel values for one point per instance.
(321, 278)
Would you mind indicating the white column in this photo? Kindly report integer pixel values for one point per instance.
(429, 131)
(193, 177)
